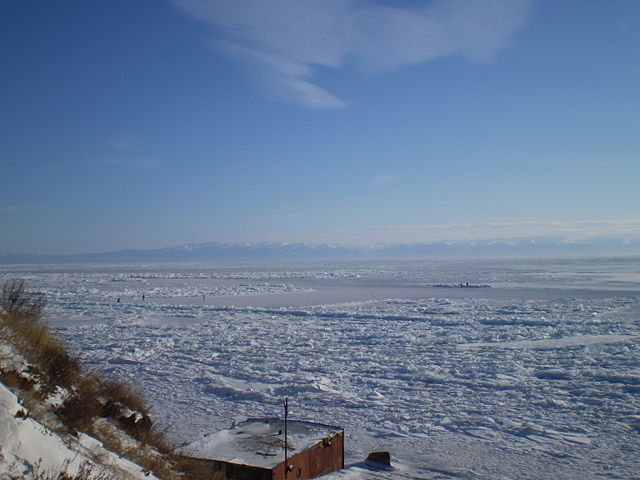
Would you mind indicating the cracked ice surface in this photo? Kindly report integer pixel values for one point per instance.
(541, 380)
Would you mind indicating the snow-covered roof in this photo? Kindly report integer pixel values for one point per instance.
(259, 442)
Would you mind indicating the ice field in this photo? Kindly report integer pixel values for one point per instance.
(533, 371)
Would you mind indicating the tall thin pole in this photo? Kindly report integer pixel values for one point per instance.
(286, 450)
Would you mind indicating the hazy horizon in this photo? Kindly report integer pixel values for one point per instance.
(205, 252)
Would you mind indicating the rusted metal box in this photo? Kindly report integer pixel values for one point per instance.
(254, 450)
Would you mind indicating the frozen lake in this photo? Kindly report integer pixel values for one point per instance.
(533, 371)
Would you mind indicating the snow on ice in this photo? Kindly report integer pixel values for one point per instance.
(535, 377)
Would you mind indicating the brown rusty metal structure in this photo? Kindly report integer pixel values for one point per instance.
(254, 450)
(324, 457)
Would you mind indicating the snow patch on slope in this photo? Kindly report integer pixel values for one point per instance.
(28, 448)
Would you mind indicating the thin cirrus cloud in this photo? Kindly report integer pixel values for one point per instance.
(281, 41)
(126, 152)
(139, 162)
(384, 179)
(21, 208)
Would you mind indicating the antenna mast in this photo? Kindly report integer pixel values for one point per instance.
(286, 447)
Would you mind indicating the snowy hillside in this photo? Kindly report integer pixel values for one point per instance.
(36, 445)
(57, 420)
(31, 450)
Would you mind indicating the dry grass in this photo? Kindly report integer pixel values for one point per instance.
(81, 407)
(14, 379)
(118, 392)
(197, 470)
(22, 312)
(92, 396)
(147, 457)
(85, 472)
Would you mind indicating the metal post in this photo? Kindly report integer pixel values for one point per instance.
(286, 451)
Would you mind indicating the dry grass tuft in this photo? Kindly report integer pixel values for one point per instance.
(142, 454)
(91, 394)
(15, 379)
(119, 394)
(81, 408)
(196, 469)
(85, 472)
(22, 312)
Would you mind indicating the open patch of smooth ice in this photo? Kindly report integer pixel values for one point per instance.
(548, 343)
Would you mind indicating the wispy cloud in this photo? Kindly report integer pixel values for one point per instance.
(141, 162)
(125, 150)
(282, 40)
(21, 208)
(384, 179)
(126, 143)
(569, 231)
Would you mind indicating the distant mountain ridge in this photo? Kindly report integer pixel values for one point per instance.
(215, 251)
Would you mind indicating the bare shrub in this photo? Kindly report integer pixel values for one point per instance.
(62, 368)
(16, 301)
(81, 408)
(118, 393)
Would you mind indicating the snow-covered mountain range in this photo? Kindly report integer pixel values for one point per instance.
(264, 251)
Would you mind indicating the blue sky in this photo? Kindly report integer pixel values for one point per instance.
(155, 123)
